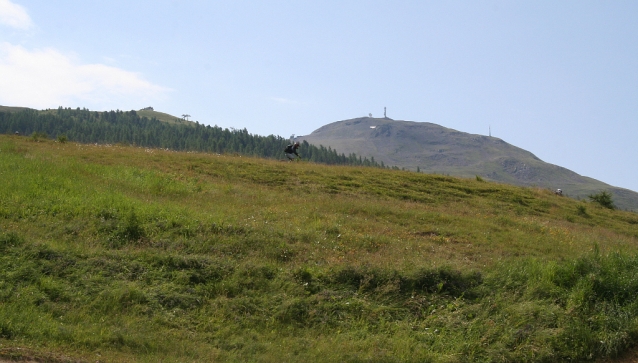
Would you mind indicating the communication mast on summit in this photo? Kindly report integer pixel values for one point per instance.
(385, 114)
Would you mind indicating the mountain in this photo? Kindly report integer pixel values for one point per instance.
(431, 148)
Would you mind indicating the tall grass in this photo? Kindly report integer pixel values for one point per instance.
(130, 254)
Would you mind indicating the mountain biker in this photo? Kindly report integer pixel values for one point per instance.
(291, 151)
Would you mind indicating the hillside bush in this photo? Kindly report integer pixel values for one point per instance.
(581, 210)
(604, 199)
(39, 135)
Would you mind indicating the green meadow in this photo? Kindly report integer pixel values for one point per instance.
(113, 253)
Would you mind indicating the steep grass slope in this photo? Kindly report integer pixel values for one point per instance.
(127, 254)
(436, 149)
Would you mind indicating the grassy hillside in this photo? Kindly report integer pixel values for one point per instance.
(433, 148)
(161, 116)
(164, 117)
(12, 109)
(124, 254)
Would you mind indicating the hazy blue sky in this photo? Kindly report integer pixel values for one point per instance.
(557, 78)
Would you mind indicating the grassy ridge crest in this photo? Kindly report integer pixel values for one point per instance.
(135, 254)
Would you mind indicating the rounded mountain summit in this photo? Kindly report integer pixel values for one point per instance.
(431, 148)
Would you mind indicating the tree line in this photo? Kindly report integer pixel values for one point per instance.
(127, 127)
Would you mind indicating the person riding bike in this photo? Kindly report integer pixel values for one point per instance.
(291, 151)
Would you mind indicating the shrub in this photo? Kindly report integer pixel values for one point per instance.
(132, 229)
(603, 199)
(36, 136)
(582, 211)
(128, 230)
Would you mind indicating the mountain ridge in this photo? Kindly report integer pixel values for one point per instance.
(432, 148)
